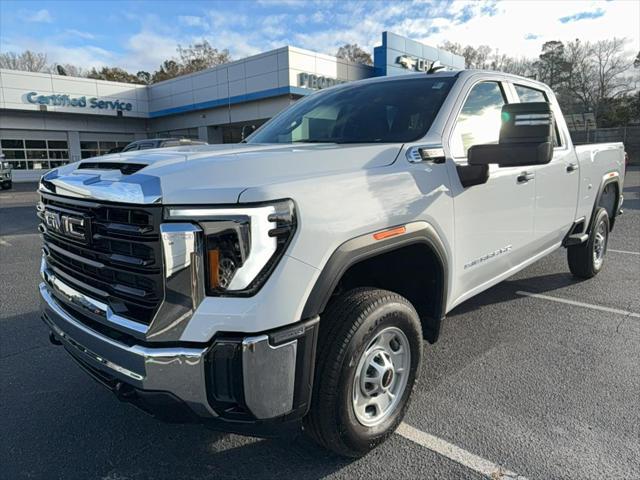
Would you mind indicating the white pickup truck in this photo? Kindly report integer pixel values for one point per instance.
(291, 279)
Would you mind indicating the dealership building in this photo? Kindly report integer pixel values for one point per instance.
(49, 120)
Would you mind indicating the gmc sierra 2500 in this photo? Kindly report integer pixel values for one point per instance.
(293, 276)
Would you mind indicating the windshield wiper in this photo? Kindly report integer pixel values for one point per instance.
(312, 140)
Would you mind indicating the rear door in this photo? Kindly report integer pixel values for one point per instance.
(557, 182)
(494, 221)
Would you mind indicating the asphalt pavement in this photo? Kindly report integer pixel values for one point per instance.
(541, 386)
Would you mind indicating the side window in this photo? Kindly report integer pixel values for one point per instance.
(528, 95)
(479, 121)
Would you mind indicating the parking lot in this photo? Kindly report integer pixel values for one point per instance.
(538, 377)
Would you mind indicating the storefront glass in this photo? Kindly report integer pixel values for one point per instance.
(35, 154)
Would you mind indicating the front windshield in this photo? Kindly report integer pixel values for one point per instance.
(379, 112)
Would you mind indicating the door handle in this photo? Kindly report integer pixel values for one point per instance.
(572, 167)
(524, 177)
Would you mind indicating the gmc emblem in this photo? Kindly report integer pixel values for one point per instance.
(67, 225)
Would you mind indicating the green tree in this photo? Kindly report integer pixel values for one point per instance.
(144, 77)
(551, 64)
(168, 69)
(113, 74)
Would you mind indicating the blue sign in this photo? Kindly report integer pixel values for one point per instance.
(79, 102)
(398, 55)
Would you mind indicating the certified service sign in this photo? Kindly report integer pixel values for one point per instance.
(78, 102)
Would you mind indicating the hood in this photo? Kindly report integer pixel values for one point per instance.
(209, 174)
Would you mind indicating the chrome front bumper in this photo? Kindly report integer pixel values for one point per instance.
(276, 368)
(179, 371)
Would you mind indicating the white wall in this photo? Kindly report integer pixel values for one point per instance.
(15, 85)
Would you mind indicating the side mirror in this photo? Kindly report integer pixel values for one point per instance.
(247, 130)
(526, 137)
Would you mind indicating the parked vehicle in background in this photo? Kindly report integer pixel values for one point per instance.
(160, 143)
(5, 174)
(116, 149)
(294, 276)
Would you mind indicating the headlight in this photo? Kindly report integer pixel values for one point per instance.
(242, 244)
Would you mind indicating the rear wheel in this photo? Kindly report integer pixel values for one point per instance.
(369, 352)
(587, 259)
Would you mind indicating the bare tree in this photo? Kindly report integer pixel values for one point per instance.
(353, 53)
(27, 61)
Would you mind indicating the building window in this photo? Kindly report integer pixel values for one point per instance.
(35, 154)
(191, 133)
(90, 149)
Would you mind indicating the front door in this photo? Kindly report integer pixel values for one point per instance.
(493, 221)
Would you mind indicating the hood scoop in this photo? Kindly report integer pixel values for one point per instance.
(124, 168)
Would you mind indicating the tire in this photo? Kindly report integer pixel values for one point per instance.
(587, 259)
(6, 186)
(354, 331)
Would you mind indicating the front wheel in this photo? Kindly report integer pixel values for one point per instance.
(586, 260)
(369, 352)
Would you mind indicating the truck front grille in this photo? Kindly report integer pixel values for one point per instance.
(110, 252)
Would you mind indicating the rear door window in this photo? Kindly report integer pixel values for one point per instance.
(529, 95)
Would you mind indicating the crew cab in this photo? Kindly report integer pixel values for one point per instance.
(291, 279)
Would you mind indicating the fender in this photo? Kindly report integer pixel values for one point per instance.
(367, 246)
(607, 179)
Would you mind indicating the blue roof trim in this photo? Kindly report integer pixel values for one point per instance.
(247, 97)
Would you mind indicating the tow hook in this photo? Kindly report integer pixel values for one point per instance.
(53, 339)
(124, 392)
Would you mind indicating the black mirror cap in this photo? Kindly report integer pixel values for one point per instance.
(471, 175)
(526, 123)
(511, 155)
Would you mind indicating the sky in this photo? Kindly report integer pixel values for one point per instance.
(139, 35)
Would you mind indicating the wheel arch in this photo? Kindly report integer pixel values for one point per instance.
(602, 198)
(351, 261)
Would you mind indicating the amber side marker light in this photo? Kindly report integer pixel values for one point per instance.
(392, 232)
(214, 265)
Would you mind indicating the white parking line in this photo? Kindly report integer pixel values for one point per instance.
(579, 304)
(623, 251)
(4, 243)
(457, 454)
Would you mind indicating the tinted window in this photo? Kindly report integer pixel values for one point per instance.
(60, 144)
(12, 144)
(35, 144)
(146, 145)
(528, 95)
(479, 121)
(396, 111)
